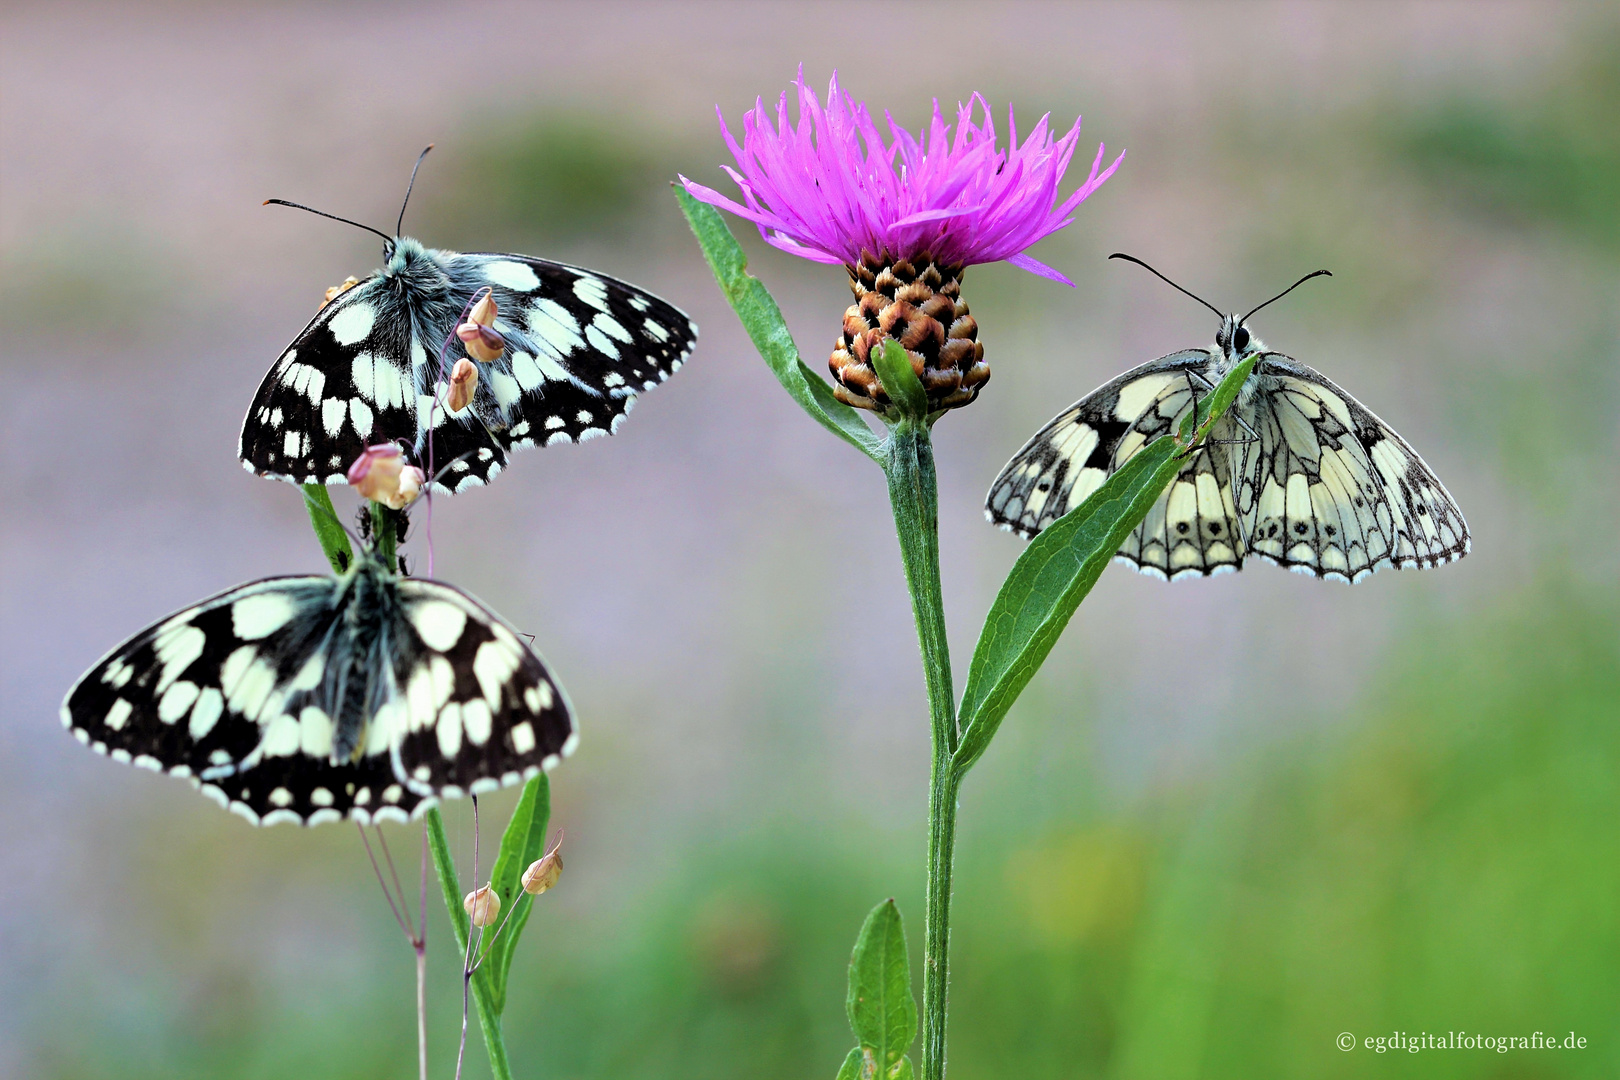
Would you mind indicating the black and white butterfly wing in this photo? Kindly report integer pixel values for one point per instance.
(1327, 488)
(1192, 529)
(476, 708)
(580, 346)
(347, 381)
(199, 696)
(236, 694)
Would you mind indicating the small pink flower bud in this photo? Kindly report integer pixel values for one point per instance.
(543, 873)
(338, 290)
(482, 905)
(381, 475)
(483, 313)
(463, 385)
(482, 342)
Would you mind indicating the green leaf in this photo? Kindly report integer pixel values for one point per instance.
(893, 368)
(1058, 569)
(489, 1017)
(524, 842)
(763, 320)
(328, 528)
(882, 1012)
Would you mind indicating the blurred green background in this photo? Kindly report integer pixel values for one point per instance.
(1229, 821)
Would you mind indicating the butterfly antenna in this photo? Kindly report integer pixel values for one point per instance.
(408, 188)
(1167, 281)
(323, 213)
(1291, 288)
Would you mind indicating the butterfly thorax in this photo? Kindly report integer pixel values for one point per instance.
(358, 679)
(414, 278)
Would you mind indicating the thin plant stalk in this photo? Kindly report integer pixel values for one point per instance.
(914, 496)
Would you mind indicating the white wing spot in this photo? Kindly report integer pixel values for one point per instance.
(210, 704)
(118, 715)
(176, 701)
(352, 325)
(260, 615)
(512, 275)
(523, 737)
(280, 797)
(321, 797)
(592, 290)
(475, 717)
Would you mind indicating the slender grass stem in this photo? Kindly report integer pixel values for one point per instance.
(914, 496)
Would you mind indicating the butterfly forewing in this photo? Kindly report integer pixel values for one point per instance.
(309, 699)
(341, 385)
(579, 347)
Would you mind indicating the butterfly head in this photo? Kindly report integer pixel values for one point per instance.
(1234, 339)
(400, 253)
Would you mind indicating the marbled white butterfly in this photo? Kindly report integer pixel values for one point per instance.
(310, 699)
(367, 369)
(1297, 473)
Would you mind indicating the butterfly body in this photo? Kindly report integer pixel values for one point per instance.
(1297, 472)
(373, 366)
(368, 695)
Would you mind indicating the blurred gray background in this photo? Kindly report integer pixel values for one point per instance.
(1230, 819)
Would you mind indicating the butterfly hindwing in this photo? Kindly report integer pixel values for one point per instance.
(477, 708)
(579, 347)
(1328, 488)
(314, 698)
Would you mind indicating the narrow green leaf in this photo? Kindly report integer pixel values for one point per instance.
(882, 1012)
(851, 1068)
(1058, 569)
(328, 529)
(893, 368)
(763, 320)
(489, 1017)
(524, 842)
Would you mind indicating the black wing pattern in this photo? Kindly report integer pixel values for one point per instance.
(580, 347)
(242, 694)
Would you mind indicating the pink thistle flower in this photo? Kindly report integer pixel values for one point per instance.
(905, 216)
(828, 189)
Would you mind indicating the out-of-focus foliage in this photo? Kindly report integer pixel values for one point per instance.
(1555, 158)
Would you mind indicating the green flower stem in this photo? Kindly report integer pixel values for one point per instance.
(489, 1017)
(914, 495)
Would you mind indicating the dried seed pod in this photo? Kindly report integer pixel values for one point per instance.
(483, 343)
(483, 313)
(463, 385)
(338, 290)
(543, 873)
(483, 906)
